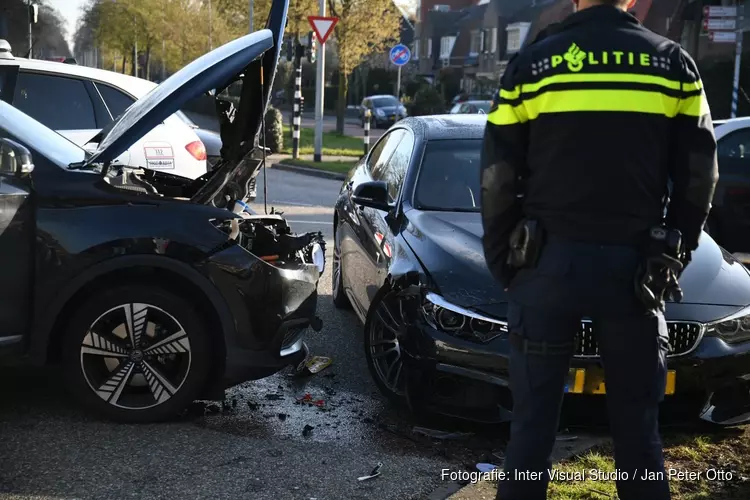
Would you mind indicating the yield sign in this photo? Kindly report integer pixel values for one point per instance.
(322, 26)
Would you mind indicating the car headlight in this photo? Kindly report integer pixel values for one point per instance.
(733, 329)
(379, 112)
(402, 109)
(460, 322)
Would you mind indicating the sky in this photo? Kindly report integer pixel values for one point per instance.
(70, 10)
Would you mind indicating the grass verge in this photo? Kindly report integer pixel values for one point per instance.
(703, 467)
(713, 466)
(341, 167)
(333, 144)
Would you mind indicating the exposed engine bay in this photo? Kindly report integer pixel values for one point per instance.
(271, 239)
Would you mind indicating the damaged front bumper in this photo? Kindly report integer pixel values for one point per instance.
(452, 376)
(272, 305)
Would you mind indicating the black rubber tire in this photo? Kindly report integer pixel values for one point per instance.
(398, 400)
(181, 309)
(340, 300)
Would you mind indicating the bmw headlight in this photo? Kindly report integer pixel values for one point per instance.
(734, 329)
(460, 322)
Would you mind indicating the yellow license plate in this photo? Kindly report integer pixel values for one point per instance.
(581, 382)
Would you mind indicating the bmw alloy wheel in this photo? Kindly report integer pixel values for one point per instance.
(383, 348)
(135, 356)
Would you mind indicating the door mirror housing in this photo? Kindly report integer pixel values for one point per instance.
(15, 159)
(373, 194)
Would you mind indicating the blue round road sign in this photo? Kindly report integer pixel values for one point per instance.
(400, 55)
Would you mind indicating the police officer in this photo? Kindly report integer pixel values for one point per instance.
(590, 124)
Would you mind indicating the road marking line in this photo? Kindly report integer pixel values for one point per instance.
(310, 222)
(294, 203)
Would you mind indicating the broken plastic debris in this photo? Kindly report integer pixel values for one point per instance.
(307, 430)
(318, 363)
(274, 397)
(375, 473)
(483, 467)
(438, 434)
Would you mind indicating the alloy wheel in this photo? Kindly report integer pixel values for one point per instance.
(135, 356)
(384, 347)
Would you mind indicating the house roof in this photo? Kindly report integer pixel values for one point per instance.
(444, 23)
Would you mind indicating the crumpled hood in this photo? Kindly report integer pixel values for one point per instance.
(250, 60)
(449, 245)
(210, 71)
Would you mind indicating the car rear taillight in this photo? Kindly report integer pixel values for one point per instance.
(197, 149)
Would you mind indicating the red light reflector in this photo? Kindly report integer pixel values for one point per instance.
(197, 150)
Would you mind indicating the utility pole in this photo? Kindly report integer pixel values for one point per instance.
(738, 57)
(30, 13)
(135, 46)
(210, 28)
(319, 94)
(250, 15)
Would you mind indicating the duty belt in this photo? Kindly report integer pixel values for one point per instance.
(539, 348)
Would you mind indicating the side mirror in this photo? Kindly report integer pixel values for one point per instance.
(15, 159)
(373, 194)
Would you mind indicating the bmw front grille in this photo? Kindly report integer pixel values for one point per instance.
(683, 339)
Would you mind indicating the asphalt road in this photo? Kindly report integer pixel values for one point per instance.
(352, 126)
(254, 448)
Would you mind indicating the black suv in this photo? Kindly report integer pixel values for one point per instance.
(153, 290)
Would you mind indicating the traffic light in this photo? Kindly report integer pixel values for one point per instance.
(311, 47)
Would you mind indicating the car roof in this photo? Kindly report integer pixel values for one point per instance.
(380, 95)
(137, 87)
(440, 127)
(725, 127)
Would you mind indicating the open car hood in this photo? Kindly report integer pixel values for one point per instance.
(250, 64)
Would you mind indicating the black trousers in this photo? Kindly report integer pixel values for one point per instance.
(573, 280)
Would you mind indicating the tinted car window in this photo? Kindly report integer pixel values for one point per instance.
(385, 102)
(57, 102)
(390, 142)
(117, 102)
(449, 176)
(735, 145)
(394, 170)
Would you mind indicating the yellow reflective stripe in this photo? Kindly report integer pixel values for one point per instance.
(602, 78)
(633, 101)
(692, 86)
(505, 114)
(696, 106)
(511, 95)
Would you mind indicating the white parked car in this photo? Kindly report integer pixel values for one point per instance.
(78, 101)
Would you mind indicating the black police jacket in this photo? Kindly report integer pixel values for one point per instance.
(590, 124)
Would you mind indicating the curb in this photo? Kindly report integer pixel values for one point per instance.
(314, 172)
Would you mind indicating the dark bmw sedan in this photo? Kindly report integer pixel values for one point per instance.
(408, 258)
(153, 290)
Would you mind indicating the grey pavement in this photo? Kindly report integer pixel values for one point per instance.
(51, 449)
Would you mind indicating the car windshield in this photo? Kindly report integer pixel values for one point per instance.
(484, 106)
(39, 138)
(384, 102)
(449, 176)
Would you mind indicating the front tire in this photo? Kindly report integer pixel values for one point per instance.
(136, 354)
(382, 347)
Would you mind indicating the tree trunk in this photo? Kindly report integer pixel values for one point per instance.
(124, 63)
(132, 67)
(341, 111)
(148, 62)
